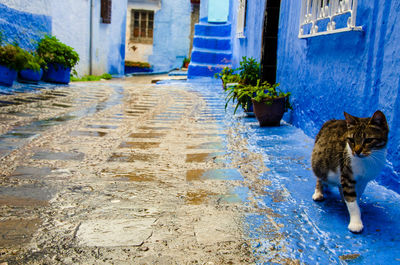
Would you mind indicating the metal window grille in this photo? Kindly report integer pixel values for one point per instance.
(321, 17)
(142, 22)
(105, 12)
(241, 19)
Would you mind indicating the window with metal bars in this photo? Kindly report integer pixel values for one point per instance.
(105, 12)
(142, 22)
(321, 17)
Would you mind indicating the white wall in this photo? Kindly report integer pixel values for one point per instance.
(143, 51)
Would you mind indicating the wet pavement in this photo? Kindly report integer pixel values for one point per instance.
(128, 172)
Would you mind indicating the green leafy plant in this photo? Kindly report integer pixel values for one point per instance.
(12, 56)
(242, 94)
(33, 61)
(91, 78)
(227, 75)
(249, 71)
(266, 93)
(53, 51)
(185, 62)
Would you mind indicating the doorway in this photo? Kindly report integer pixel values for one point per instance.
(270, 41)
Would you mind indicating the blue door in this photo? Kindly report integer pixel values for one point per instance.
(218, 11)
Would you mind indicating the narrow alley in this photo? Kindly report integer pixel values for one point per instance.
(124, 172)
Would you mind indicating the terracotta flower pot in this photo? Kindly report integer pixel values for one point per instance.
(269, 114)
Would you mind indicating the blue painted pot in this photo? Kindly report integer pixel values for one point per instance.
(30, 76)
(7, 76)
(57, 73)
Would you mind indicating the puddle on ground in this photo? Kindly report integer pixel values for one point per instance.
(43, 155)
(117, 157)
(137, 177)
(95, 126)
(217, 174)
(31, 172)
(200, 135)
(88, 133)
(197, 197)
(14, 233)
(160, 128)
(13, 201)
(139, 145)
(65, 106)
(208, 145)
(146, 135)
(202, 157)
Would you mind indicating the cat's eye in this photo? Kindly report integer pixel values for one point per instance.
(368, 140)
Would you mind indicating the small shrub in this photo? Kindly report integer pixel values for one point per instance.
(54, 51)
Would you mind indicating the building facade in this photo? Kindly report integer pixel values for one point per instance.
(158, 32)
(100, 43)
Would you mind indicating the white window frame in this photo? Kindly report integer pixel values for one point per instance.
(313, 11)
(241, 19)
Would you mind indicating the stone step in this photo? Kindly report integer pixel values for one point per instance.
(208, 56)
(213, 30)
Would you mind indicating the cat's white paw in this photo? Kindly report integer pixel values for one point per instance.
(356, 226)
(318, 196)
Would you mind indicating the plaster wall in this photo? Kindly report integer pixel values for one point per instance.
(250, 45)
(138, 52)
(356, 72)
(25, 22)
(171, 41)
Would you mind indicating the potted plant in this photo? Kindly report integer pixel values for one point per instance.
(12, 59)
(59, 57)
(242, 94)
(186, 62)
(32, 71)
(228, 76)
(249, 71)
(269, 104)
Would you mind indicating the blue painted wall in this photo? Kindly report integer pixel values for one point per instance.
(356, 72)
(171, 35)
(23, 27)
(249, 46)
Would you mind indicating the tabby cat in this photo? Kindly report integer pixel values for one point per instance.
(349, 153)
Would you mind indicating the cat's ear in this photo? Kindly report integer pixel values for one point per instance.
(350, 120)
(378, 119)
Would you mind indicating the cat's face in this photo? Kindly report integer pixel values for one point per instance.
(366, 135)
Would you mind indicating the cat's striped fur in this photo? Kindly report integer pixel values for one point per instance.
(350, 153)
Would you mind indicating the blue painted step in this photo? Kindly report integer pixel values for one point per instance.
(216, 43)
(213, 30)
(197, 69)
(211, 56)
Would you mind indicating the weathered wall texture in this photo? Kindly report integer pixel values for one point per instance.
(27, 21)
(138, 52)
(171, 35)
(23, 22)
(356, 72)
(250, 45)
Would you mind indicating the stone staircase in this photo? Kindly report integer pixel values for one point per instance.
(211, 49)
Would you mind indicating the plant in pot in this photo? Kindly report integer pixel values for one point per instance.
(186, 62)
(242, 94)
(12, 59)
(269, 104)
(59, 57)
(249, 71)
(32, 71)
(228, 77)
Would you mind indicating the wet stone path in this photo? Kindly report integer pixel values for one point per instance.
(117, 173)
(127, 172)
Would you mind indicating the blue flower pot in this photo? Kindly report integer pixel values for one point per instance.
(30, 76)
(7, 76)
(57, 73)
